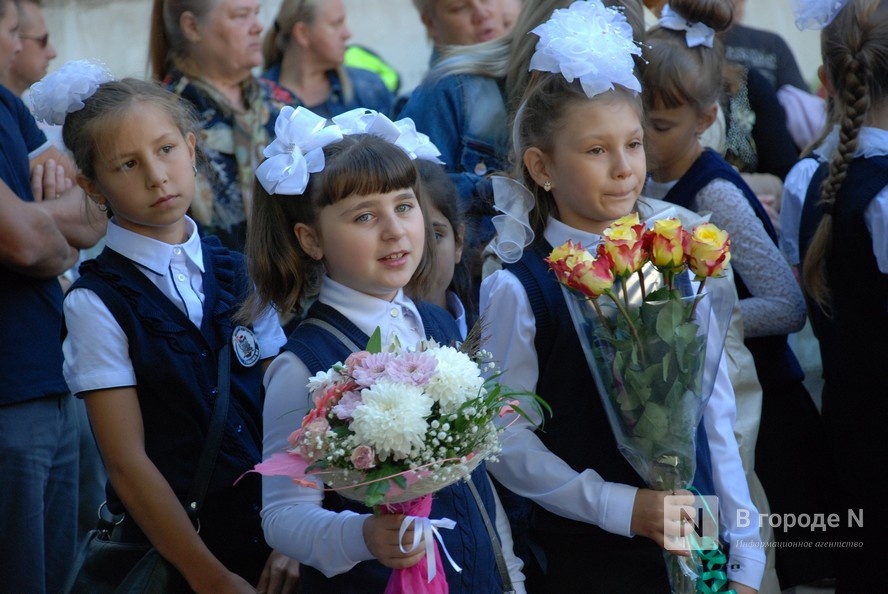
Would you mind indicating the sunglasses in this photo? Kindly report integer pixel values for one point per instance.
(42, 41)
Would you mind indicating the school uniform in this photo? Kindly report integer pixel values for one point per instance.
(154, 316)
(325, 532)
(853, 353)
(582, 486)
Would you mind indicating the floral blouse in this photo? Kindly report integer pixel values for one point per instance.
(231, 148)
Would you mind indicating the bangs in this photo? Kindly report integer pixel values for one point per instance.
(363, 164)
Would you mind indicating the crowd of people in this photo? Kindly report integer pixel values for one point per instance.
(242, 202)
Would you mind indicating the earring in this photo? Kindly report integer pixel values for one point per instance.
(102, 207)
(547, 185)
(194, 168)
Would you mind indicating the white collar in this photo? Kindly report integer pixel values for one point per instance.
(364, 311)
(557, 233)
(150, 253)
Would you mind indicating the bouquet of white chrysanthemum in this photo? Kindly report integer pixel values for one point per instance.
(391, 427)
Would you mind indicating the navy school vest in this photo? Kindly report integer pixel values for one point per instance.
(176, 366)
(775, 362)
(852, 340)
(578, 431)
(468, 543)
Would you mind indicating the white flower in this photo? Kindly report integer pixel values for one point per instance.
(392, 419)
(64, 91)
(323, 380)
(456, 380)
(589, 42)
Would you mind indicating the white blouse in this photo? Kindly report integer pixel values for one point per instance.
(97, 350)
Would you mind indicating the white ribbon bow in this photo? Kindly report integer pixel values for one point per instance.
(401, 133)
(297, 151)
(816, 14)
(695, 33)
(513, 231)
(426, 527)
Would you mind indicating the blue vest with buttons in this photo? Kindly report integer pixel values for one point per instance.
(176, 366)
(468, 543)
(578, 431)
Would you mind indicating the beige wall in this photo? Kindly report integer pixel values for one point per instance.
(116, 32)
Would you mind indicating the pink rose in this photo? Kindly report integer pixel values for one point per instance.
(362, 457)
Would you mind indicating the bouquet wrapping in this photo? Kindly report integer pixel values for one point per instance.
(389, 428)
(653, 344)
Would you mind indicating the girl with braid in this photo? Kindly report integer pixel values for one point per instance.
(843, 242)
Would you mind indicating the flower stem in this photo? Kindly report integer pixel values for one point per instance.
(697, 299)
(603, 318)
(641, 284)
(624, 311)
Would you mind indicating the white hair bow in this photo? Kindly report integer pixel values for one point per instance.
(64, 91)
(590, 42)
(816, 14)
(513, 231)
(695, 33)
(402, 133)
(297, 151)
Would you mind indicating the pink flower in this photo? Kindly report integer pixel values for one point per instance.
(413, 368)
(354, 360)
(347, 405)
(362, 457)
(371, 368)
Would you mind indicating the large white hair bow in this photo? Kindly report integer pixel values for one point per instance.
(590, 42)
(816, 14)
(513, 231)
(695, 33)
(63, 91)
(297, 151)
(402, 133)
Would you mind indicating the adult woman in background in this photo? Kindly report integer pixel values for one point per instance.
(304, 53)
(205, 50)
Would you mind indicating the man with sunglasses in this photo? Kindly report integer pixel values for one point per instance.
(32, 61)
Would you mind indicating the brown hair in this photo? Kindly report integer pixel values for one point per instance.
(673, 74)
(278, 36)
(167, 45)
(85, 129)
(439, 191)
(855, 54)
(283, 274)
(539, 119)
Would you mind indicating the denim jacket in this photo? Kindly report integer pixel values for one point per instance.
(465, 116)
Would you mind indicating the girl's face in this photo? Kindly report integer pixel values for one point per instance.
(230, 39)
(673, 139)
(146, 174)
(328, 35)
(10, 44)
(371, 243)
(596, 164)
(448, 252)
